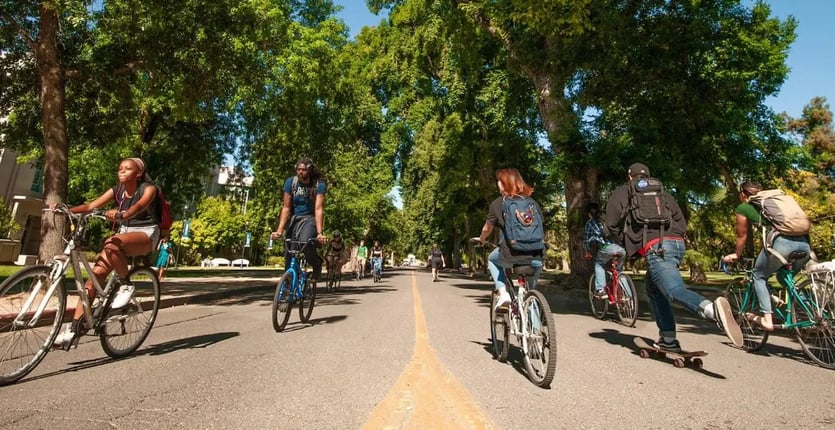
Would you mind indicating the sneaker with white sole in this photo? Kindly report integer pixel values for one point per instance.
(601, 294)
(672, 346)
(503, 299)
(725, 318)
(64, 337)
(122, 297)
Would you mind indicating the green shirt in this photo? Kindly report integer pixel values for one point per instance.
(749, 211)
(362, 252)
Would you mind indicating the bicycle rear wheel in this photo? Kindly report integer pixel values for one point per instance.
(540, 346)
(499, 330)
(23, 344)
(743, 300)
(282, 302)
(308, 300)
(124, 330)
(599, 307)
(626, 300)
(818, 338)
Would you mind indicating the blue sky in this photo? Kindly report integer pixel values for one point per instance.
(811, 58)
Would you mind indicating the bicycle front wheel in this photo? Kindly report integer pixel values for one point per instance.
(817, 335)
(626, 300)
(743, 300)
(282, 303)
(25, 341)
(499, 330)
(307, 301)
(540, 346)
(599, 307)
(124, 330)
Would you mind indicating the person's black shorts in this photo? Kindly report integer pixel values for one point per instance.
(436, 263)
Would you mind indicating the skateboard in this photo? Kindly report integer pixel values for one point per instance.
(680, 359)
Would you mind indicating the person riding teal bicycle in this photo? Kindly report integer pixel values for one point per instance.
(773, 255)
(303, 211)
(511, 186)
(597, 245)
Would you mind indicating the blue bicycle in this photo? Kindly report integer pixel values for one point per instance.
(294, 286)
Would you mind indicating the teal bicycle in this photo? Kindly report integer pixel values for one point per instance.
(295, 285)
(805, 306)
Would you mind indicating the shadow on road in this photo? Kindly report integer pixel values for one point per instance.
(201, 341)
(298, 325)
(626, 340)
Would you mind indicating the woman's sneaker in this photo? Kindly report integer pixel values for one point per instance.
(725, 319)
(123, 296)
(672, 346)
(601, 294)
(503, 299)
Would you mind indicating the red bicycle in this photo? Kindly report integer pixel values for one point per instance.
(620, 292)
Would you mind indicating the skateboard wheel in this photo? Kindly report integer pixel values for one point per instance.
(678, 363)
(697, 363)
(644, 353)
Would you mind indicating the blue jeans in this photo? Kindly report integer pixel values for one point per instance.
(767, 264)
(497, 270)
(604, 254)
(664, 285)
(377, 263)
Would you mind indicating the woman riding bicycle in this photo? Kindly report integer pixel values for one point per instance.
(511, 186)
(135, 197)
(336, 247)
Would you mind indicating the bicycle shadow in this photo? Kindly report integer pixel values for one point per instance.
(298, 325)
(626, 340)
(515, 357)
(201, 341)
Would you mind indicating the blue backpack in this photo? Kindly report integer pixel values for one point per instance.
(523, 224)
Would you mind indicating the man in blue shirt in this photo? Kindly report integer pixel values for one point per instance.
(303, 210)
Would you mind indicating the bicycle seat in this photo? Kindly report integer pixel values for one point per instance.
(524, 269)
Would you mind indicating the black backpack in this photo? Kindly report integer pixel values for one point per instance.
(648, 206)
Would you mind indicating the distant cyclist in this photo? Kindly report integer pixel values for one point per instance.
(135, 198)
(362, 258)
(436, 259)
(377, 257)
(303, 211)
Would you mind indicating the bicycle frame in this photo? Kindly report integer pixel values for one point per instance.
(611, 268)
(71, 257)
(516, 302)
(783, 311)
(297, 261)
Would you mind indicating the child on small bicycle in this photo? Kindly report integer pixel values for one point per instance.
(597, 245)
(135, 196)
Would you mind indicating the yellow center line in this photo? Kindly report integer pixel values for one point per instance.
(427, 395)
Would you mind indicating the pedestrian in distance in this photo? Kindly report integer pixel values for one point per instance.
(303, 211)
(660, 241)
(163, 257)
(362, 257)
(436, 259)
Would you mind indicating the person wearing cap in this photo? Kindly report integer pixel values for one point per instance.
(135, 197)
(663, 255)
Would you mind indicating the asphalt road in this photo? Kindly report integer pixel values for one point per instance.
(409, 353)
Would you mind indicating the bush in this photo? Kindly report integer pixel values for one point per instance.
(275, 260)
(8, 226)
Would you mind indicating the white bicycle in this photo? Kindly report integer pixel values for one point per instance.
(33, 305)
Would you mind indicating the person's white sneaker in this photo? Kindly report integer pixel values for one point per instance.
(503, 299)
(63, 337)
(123, 296)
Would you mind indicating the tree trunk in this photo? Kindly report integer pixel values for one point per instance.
(697, 274)
(52, 83)
(581, 183)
